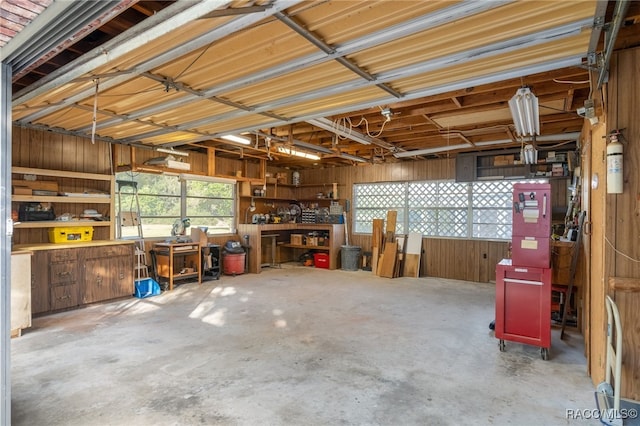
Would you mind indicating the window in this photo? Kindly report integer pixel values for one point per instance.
(164, 199)
(437, 208)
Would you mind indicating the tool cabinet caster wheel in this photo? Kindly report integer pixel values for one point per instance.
(544, 353)
(501, 345)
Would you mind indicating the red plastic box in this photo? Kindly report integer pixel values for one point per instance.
(321, 260)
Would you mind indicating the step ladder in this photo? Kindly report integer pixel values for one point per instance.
(131, 218)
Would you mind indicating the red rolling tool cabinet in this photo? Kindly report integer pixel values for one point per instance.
(523, 305)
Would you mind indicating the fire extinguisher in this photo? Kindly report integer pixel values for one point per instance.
(614, 163)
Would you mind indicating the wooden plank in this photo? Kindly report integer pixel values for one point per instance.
(376, 243)
(411, 265)
(390, 230)
(379, 266)
(624, 284)
(389, 259)
(375, 254)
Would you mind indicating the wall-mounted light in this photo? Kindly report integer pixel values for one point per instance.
(172, 151)
(237, 139)
(525, 113)
(302, 154)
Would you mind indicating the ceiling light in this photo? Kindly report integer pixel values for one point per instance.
(431, 150)
(173, 151)
(353, 158)
(325, 124)
(524, 110)
(238, 139)
(285, 150)
(498, 142)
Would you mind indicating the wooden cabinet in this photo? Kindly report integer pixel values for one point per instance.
(63, 279)
(40, 282)
(68, 192)
(107, 276)
(66, 277)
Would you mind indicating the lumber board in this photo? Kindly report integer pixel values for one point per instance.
(389, 260)
(392, 217)
(376, 244)
(411, 265)
(375, 254)
(624, 284)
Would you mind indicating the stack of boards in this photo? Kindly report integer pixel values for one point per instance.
(394, 256)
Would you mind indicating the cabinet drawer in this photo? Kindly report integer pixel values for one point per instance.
(65, 296)
(109, 251)
(66, 255)
(65, 273)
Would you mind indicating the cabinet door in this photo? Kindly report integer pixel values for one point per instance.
(39, 282)
(122, 276)
(96, 285)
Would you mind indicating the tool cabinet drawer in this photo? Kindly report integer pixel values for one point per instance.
(65, 296)
(63, 255)
(63, 273)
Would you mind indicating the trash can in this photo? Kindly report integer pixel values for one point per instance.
(350, 256)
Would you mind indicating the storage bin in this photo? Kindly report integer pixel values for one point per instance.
(296, 239)
(147, 287)
(70, 234)
(321, 260)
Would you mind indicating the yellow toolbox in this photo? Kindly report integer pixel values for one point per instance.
(70, 234)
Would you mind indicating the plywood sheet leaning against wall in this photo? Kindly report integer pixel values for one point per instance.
(413, 250)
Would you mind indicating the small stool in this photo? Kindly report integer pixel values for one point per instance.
(273, 263)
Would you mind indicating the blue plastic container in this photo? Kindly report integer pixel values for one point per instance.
(147, 287)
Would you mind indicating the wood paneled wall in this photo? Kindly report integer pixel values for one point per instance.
(621, 241)
(470, 260)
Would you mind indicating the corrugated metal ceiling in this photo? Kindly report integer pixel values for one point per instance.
(289, 62)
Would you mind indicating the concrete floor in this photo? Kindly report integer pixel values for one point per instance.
(294, 346)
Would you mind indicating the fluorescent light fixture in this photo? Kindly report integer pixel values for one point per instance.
(353, 158)
(173, 151)
(285, 150)
(545, 138)
(325, 124)
(525, 113)
(498, 142)
(238, 139)
(431, 150)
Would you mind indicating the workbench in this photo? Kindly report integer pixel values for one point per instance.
(255, 233)
(176, 261)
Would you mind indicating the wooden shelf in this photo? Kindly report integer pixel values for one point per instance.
(302, 246)
(60, 173)
(61, 199)
(85, 190)
(56, 223)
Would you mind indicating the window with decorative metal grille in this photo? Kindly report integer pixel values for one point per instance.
(479, 210)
